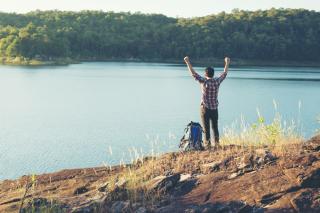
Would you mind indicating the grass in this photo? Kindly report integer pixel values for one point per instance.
(318, 130)
(276, 133)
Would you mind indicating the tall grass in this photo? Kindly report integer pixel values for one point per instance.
(277, 132)
(318, 130)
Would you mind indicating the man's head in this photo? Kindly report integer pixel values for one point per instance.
(209, 72)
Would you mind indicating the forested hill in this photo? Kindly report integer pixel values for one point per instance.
(276, 34)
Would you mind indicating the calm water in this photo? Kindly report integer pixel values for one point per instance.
(91, 114)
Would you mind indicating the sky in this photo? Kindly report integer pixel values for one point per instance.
(173, 8)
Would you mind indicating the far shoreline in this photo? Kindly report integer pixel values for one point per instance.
(198, 62)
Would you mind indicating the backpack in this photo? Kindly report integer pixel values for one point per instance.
(192, 139)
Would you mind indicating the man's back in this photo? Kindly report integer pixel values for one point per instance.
(210, 89)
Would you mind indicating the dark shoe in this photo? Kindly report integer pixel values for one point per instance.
(208, 145)
(217, 146)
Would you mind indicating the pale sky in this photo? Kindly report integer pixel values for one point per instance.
(173, 8)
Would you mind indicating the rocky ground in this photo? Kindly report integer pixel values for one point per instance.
(229, 179)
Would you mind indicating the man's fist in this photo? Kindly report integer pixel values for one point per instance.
(186, 59)
(227, 60)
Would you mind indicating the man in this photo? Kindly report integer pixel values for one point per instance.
(209, 99)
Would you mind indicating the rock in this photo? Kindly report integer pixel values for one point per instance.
(261, 152)
(184, 187)
(93, 207)
(306, 201)
(141, 210)
(210, 167)
(163, 183)
(80, 190)
(264, 155)
(120, 207)
(206, 210)
(184, 177)
(190, 211)
(218, 207)
(225, 162)
(193, 209)
(307, 160)
(313, 144)
(259, 158)
(117, 194)
(164, 202)
(235, 174)
(246, 170)
(103, 187)
(311, 180)
(165, 209)
(259, 161)
(136, 205)
(246, 161)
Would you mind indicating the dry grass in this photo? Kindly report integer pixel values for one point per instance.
(278, 135)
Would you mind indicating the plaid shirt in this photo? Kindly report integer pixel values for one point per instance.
(210, 89)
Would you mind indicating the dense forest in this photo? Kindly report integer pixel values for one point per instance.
(275, 34)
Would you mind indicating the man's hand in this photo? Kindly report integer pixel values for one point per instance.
(227, 60)
(190, 68)
(187, 60)
(226, 66)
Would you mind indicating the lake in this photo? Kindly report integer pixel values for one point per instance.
(103, 113)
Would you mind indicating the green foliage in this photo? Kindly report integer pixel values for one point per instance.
(275, 34)
(268, 132)
(276, 132)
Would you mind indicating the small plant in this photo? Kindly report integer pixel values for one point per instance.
(29, 185)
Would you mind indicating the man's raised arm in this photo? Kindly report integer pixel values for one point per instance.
(196, 76)
(225, 71)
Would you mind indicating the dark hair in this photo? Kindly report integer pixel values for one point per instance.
(209, 72)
